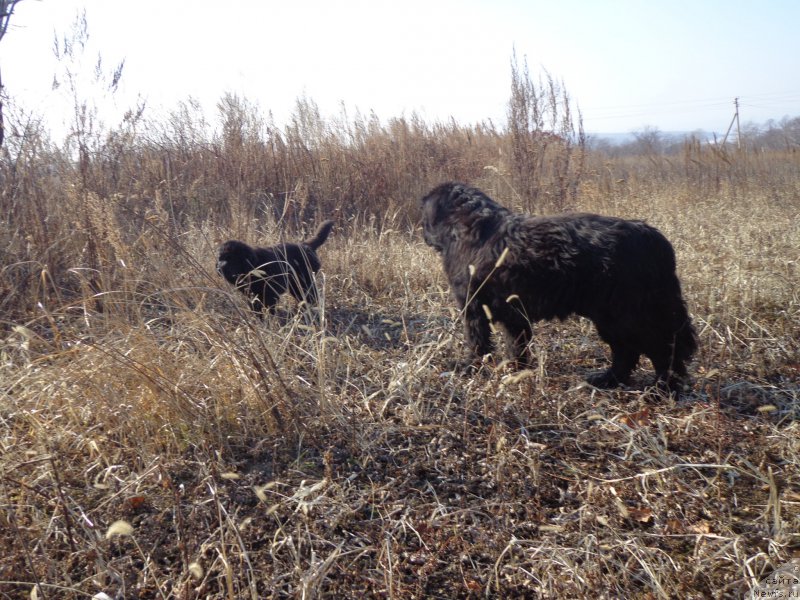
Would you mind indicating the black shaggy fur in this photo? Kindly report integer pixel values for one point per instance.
(266, 273)
(618, 273)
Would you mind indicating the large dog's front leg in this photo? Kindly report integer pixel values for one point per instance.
(518, 337)
(477, 331)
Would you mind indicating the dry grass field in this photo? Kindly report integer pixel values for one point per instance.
(159, 441)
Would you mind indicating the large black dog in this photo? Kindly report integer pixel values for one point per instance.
(266, 273)
(515, 269)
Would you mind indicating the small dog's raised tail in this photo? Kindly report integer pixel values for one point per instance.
(321, 235)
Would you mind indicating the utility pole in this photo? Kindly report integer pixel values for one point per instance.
(738, 127)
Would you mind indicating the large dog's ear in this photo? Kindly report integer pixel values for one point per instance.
(472, 215)
(458, 213)
(446, 201)
(469, 201)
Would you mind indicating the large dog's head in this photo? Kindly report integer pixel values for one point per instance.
(456, 212)
(234, 260)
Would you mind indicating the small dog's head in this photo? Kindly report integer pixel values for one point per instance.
(235, 259)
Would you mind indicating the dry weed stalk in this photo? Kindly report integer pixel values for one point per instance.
(133, 382)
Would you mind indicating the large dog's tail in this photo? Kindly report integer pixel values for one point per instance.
(685, 341)
(321, 235)
(685, 336)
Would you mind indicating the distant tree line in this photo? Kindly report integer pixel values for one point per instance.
(771, 135)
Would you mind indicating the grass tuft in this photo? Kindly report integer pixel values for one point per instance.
(158, 440)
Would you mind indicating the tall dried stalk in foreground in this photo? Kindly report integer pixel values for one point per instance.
(335, 454)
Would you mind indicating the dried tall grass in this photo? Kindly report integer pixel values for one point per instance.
(333, 454)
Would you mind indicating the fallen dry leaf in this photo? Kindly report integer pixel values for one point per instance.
(643, 515)
(136, 502)
(700, 527)
(637, 419)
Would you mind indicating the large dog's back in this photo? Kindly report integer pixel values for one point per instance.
(610, 270)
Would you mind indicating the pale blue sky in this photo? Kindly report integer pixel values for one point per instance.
(672, 64)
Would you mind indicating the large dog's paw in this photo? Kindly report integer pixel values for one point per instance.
(463, 366)
(671, 385)
(470, 365)
(604, 380)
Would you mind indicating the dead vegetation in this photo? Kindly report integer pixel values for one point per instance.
(158, 441)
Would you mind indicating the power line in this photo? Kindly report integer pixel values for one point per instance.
(651, 113)
(674, 104)
(631, 110)
(777, 95)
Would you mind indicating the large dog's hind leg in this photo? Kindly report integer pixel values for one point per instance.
(670, 371)
(624, 358)
(623, 362)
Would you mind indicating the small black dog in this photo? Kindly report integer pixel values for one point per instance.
(266, 273)
(514, 270)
